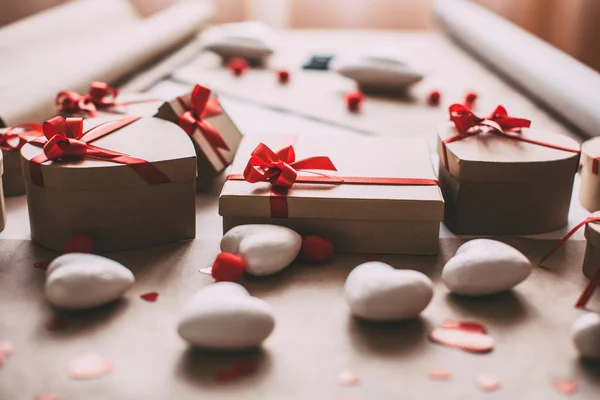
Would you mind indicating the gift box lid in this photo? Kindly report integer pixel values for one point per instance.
(220, 157)
(161, 143)
(491, 157)
(353, 156)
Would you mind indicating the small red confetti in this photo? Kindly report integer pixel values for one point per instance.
(354, 100)
(316, 249)
(150, 296)
(470, 99)
(438, 374)
(237, 66)
(373, 257)
(56, 324)
(566, 386)
(89, 366)
(205, 271)
(228, 268)
(434, 98)
(467, 336)
(487, 383)
(283, 76)
(47, 397)
(348, 378)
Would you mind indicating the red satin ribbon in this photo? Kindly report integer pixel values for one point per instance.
(281, 170)
(66, 140)
(201, 107)
(595, 281)
(99, 96)
(499, 123)
(26, 131)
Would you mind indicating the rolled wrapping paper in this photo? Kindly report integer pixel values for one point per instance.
(519, 54)
(78, 59)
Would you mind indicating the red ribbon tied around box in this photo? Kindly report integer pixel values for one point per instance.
(589, 290)
(65, 139)
(281, 170)
(200, 108)
(99, 96)
(499, 123)
(15, 137)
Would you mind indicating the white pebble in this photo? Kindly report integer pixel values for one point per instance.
(376, 291)
(224, 316)
(79, 281)
(251, 40)
(267, 249)
(483, 267)
(586, 335)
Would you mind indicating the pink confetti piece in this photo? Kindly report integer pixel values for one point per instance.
(438, 374)
(150, 296)
(47, 397)
(348, 378)
(487, 383)
(89, 366)
(206, 271)
(56, 324)
(467, 336)
(566, 386)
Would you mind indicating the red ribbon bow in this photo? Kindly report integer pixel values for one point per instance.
(65, 139)
(26, 131)
(201, 107)
(100, 95)
(499, 123)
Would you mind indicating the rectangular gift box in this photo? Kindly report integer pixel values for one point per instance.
(2, 205)
(144, 197)
(496, 185)
(215, 136)
(383, 198)
(11, 141)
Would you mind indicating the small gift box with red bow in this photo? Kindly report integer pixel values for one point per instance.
(11, 141)
(215, 136)
(589, 194)
(500, 178)
(365, 195)
(127, 182)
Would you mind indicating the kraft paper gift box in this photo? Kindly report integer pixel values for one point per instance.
(11, 141)
(215, 136)
(102, 100)
(127, 183)
(498, 182)
(589, 194)
(383, 198)
(2, 205)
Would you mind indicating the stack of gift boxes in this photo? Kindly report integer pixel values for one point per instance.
(129, 181)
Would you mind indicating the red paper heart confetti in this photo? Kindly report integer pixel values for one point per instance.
(47, 397)
(566, 386)
(228, 268)
(348, 378)
(316, 249)
(433, 99)
(56, 324)
(283, 76)
(438, 374)
(237, 66)
(89, 366)
(470, 99)
(150, 296)
(467, 336)
(487, 383)
(354, 100)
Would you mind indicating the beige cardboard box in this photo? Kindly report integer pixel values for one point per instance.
(2, 205)
(357, 217)
(591, 260)
(11, 141)
(215, 136)
(495, 185)
(121, 206)
(589, 193)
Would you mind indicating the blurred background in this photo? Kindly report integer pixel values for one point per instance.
(570, 25)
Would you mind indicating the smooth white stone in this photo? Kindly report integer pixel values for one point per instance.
(586, 335)
(225, 316)
(78, 281)
(483, 267)
(378, 292)
(267, 249)
(252, 40)
(377, 70)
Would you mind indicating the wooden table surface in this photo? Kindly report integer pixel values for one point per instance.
(315, 338)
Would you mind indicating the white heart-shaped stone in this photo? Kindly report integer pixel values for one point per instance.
(586, 335)
(225, 316)
(252, 40)
(267, 249)
(376, 291)
(78, 281)
(483, 267)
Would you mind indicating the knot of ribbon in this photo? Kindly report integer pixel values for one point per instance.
(100, 95)
(15, 137)
(201, 107)
(65, 139)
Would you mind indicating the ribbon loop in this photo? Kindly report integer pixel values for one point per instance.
(15, 137)
(59, 147)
